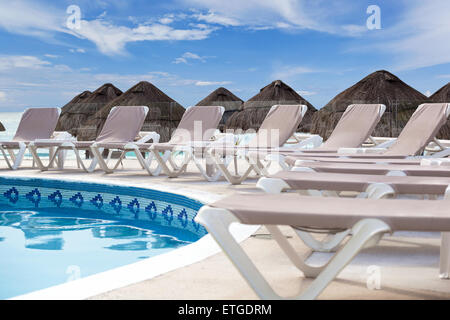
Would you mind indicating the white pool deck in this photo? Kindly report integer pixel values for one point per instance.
(402, 266)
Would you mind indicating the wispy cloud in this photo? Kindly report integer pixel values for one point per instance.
(188, 56)
(25, 17)
(322, 16)
(287, 72)
(27, 62)
(306, 93)
(212, 83)
(419, 39)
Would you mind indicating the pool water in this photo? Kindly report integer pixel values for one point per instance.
(47, 240)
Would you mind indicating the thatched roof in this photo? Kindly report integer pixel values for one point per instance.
(257, 107)
(2, 128)
(77, 112)
(225, 98)
(443, 95)
(163, 116)
(400, 99)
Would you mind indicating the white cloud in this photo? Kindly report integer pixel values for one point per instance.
(420, 38)
(79, 50)
(215, 18)
(111, 39)
(28, 62)
(306, 93)
(286, 72)
(212, 83)
(185, 57)
(323, 16)
(26, 17)
(52, 56)
(2, 96)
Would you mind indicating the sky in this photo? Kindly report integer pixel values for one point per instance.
(52, 50)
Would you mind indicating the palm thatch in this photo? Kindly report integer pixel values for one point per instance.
(2, 128)
(77, 112)
(400, 99)
(257, 107)
(223, 97)
(163, 116)
(443, 95)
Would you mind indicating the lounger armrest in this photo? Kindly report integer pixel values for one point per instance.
(435, 162)
(360, 150)
(61, 135)
(146, 136)
(305, 140)
(387, 143)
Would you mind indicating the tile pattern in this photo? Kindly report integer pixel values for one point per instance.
(163, 208)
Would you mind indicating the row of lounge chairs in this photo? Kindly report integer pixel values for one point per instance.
(402, 166)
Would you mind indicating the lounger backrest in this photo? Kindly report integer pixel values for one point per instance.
(123, 124)
(355, 126)
(278, 126)
(421, 129)
(197, 124)
(37, 123)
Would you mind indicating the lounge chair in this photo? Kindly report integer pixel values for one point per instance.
(365, 184)
(278, 126)
(368, 220)
(309, 182)
(121, 126)
(36, 123)
(420, 130)
(192, 136)
(353, 129)
(408, 168)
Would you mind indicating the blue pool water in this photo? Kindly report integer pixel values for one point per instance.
(54, 231)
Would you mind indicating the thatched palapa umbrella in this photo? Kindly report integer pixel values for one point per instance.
(2, 128)
(400, 99)
(63, 124)
(223, 97)
(257, 107)
(77, 112)
(443, 95)
(163, 116)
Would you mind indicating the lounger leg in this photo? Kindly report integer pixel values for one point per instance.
(330, 244)
(217, 221)
(176, 170)
(444, 264)
(210, 172)
(15, 158)
(98, 159)
(365, 233)
(223, 167)
(299, 262)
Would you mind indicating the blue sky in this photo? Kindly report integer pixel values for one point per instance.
(190, 47)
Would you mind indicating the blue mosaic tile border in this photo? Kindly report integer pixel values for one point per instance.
(130, 203)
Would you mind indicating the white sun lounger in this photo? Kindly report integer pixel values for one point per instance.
(420, 130)
(278, 126)
(368, 220)
(309, 182)
(353, 129)
(192, 136)
(36, 123)
(121, 126)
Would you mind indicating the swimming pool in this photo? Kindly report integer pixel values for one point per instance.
(55, 231)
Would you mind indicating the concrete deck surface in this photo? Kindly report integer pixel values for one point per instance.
(405, 264)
